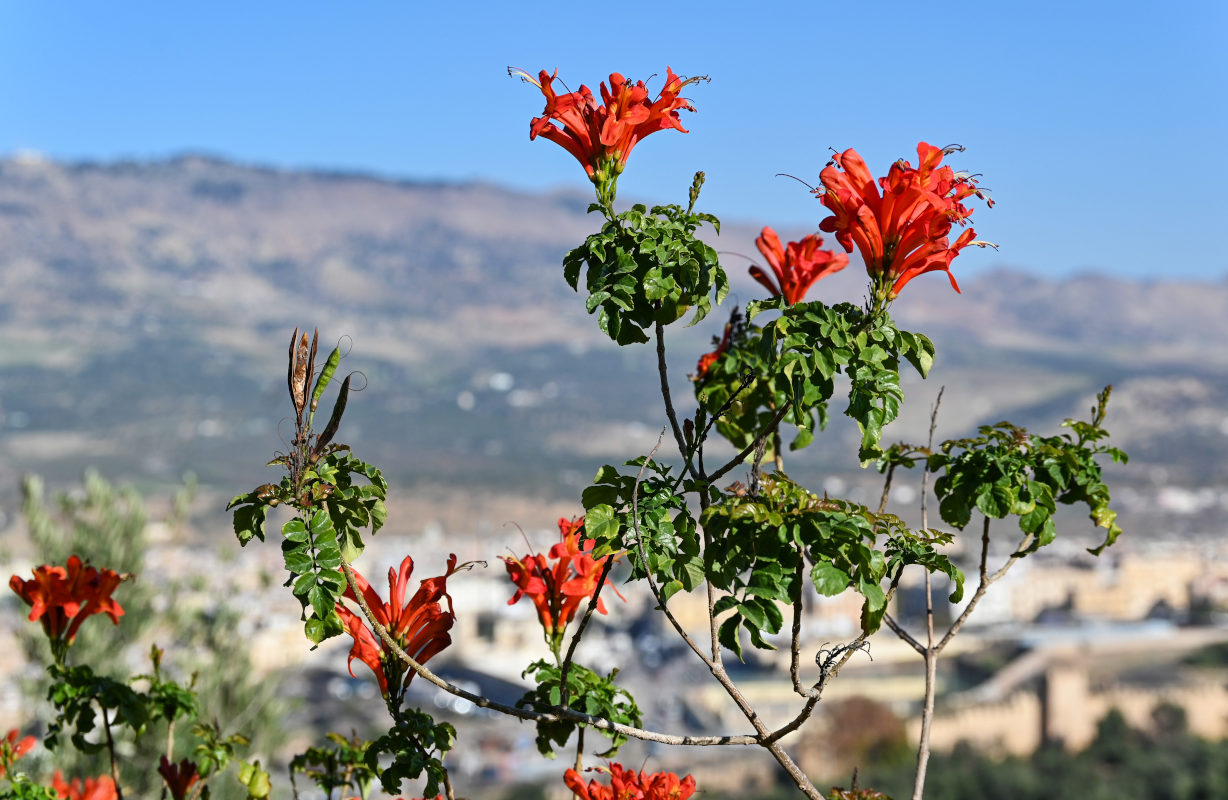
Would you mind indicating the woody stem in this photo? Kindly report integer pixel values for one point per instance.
(106, 726)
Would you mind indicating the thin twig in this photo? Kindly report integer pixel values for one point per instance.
(575, 637)
(714, 664)
(908, 638)
(663, 370)
(106, 726)
(702, 436)
(882, 502)
(925, 474)
(930, 654)
(795, 642)
(579, 767)
(639, 550)
(750, 448)
(987, 579)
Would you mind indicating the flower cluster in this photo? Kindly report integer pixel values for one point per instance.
(100, 788)
(797, 265)
(11, 749)
(64, 597)
(901, 232)
(419, 626)
(558, 589)
(601, 137)
(626, 784)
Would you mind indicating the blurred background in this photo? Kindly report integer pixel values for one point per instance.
(180, 187)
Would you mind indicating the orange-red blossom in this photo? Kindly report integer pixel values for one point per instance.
(601, 137)
(558, 589)
(797, 265)
(100, 788)
(626, 784)
(420, 625)
(64, 597)
(901, 232)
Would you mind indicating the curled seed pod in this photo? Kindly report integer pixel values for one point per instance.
(292, 361)
(299, 358)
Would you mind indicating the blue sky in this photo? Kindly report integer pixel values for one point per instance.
(1100, 127)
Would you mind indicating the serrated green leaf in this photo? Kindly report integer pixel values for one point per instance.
(295, 530)
(249, 522)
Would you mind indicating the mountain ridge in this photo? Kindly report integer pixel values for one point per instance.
(144, 308)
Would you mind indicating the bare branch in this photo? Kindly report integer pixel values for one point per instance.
(750, 448)
(903, 634)
(575, 637)
(663, 371)
(987, 579)
(639, 541)
(925, 474)
(882, 502)
(795, 640)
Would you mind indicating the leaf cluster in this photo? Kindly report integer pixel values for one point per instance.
(668, 543)
(646, 267)
(810, 343)
(341, 766)
(214, 751)
(746, 388)
(75, 693)
(588, 693)
(22, 788)
(762, 543)
(417, 745)
(313, 558)
(1006, 471)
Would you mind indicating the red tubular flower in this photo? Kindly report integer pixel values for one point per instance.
(179, 777)
(12, 749)
(100, 788)
(420, 625)
(901, 232)
(626, 784)
(557, 590)
(601, 137)
(64, 597)
(797, 265)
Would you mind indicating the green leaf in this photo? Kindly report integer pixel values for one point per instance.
(318, 629)
(995, 500)
(829, 579)
(295, 530)
(602, 525)
(255, 780)
(727, 635)
(297, 561)
(351, 546)
(249, 522)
